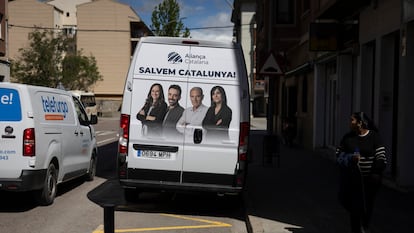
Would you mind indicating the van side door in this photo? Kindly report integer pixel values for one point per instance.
(83, 136)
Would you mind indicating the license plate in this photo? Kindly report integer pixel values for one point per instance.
(154, 154)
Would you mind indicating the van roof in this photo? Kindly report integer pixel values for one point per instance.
(31, 87)
(188, 41)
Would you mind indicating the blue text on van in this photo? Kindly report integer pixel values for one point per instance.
(53, 106)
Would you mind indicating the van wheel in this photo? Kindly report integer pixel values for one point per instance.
(47, 195)
(131, 195)
(92, 168)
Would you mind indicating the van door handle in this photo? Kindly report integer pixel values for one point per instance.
(198, 136)
(76, 133)
(81, 133)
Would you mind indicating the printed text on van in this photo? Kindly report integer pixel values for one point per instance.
(50, 105)
(186, 73)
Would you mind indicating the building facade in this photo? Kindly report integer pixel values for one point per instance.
(243, 17)
(341, 57)
(105, 29)
(4, 61)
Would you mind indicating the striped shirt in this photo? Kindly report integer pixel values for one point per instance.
(372, 151)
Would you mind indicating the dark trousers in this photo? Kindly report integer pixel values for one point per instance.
(360, 216)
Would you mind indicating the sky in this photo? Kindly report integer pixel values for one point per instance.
(195, 14)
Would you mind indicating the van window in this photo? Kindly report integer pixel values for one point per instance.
(80, 112)
(88, 101)
(10, 107)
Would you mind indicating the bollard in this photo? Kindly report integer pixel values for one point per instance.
(108, 195)
(109, 219)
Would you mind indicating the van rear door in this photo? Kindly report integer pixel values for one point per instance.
(12, 126)
(155, 151)
(211, 150)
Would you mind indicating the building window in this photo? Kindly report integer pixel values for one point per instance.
(2, 21)
(137, 30)
(67, 14)
(284, 10)
(133, 46)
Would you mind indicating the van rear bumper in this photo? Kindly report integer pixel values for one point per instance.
(148, 179)
(175, 186)
(28, 180)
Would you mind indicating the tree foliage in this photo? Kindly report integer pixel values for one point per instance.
(79, 72)
(49, 60)
(166, 20)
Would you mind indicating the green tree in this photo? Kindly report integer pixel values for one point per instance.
(166, 20)
(79, 72)
(49, 60)
(39, 64)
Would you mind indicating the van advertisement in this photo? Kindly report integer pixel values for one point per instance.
(187, 73)
(10, 105)
(198, 63)
(54, 108)
(185, 104)
(186, 92)
(172, 111)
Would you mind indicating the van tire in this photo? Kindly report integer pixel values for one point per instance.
(47, 195)
(92, 168)
(131, 195)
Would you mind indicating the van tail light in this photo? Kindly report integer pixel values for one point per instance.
(124, 135)
(244, 140)
(123, 146)
(29, 147)
(243, 152)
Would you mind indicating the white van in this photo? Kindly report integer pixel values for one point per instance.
(88, 101)
(46, 139)
(200, 143)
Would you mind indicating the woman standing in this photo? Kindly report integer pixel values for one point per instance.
(361, 157)
(152, 113)
(218, 116)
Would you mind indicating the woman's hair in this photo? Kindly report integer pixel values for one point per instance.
(366, 122)
(223, 95)
(149, 99)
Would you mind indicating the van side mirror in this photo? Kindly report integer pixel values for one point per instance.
(93, 120)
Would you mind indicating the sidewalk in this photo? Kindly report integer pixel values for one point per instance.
(300, 196)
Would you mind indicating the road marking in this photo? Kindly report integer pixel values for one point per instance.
(106, 140)
(103, 133)
(210, 224)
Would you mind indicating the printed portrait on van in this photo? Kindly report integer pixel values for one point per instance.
(218, 116)
(152, 113)
(174, 111)
(193, 115)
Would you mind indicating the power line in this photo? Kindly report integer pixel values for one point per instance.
(61, 29)
(116, 30)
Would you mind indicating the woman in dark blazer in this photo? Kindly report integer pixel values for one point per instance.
(152, 113)
(218, 116)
